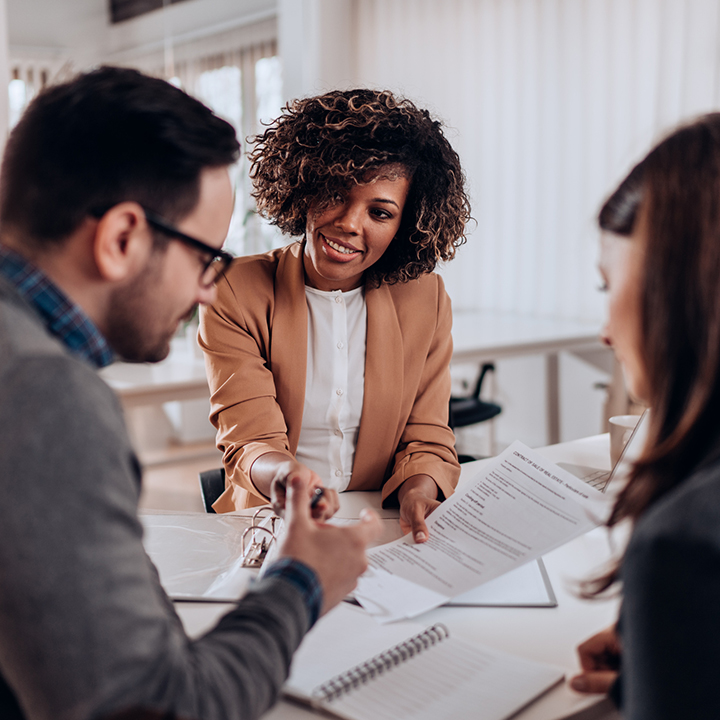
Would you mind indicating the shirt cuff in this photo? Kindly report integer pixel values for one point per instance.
(304, 579)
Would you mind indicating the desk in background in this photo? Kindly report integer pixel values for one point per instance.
(478, 336)
(543, 634)
(179, 377)
(486, 335)
(144, 387)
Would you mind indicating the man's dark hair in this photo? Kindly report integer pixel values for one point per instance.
(108, 136)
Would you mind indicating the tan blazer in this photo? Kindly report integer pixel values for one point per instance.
(255, 342)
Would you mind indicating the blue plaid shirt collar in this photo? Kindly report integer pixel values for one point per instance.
(63, 319)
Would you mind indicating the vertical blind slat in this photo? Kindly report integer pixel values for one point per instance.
(549, 103)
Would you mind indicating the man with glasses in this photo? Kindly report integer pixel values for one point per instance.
(216, 261)
(115, 200)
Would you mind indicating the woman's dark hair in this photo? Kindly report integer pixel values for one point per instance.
(107, 136)
(676, 189)
(320, 146)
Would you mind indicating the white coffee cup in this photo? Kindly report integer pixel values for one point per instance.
(621, 428)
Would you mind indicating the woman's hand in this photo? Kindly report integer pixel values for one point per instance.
(271, 474)
(286, 472)
(600, 661)
(418, 498)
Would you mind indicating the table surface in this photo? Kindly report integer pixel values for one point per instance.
(480, 335)
(177, 370)
(544, 634)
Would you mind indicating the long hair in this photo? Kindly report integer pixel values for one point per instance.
(321, 146)
(677, 189)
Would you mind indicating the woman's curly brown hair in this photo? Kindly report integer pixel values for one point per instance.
(319, 146)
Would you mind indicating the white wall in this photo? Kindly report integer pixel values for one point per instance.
(80, 31)
(317, 43)
(4, 73)
(52, 29)
(183, 22)
(549, 103)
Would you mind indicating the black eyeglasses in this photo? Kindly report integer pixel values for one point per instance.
(219, 259)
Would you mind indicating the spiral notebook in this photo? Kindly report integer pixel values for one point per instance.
(356, 669)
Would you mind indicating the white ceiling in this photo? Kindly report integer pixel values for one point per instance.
(81, 29)
(54, 24)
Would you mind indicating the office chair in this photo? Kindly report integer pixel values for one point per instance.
(212, 486)
(470, 410)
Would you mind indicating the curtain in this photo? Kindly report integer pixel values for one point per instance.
(243, 85)
(548, 103)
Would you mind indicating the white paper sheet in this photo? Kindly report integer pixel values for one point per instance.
(518, 508)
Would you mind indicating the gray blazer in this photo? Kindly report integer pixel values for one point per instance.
(670, 617)
(85, 628)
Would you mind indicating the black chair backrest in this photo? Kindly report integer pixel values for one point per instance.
(487, 367)
(212, 486)
(470, 410)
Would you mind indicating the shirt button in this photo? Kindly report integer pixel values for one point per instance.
(340, 346)
(339, 391)
(338, 473)
(338, 299)
(338, 432)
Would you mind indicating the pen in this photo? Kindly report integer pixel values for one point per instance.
(317, 495)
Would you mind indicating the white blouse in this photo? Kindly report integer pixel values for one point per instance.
(335, 383)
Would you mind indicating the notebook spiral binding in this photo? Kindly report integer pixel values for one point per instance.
(361, 674)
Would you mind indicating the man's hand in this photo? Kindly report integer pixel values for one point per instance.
(336, 554)
(600, 661)
(271, 473)
(418, 498)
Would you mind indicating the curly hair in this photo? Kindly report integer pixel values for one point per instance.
(320, 146)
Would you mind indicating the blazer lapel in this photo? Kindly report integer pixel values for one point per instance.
(382, 402)
(288, 350)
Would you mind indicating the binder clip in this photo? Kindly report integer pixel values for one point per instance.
(254, 550)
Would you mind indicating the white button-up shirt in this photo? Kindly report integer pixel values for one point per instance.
(335, 383)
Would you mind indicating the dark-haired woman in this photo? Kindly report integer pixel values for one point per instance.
(330, 357)
(661, 262)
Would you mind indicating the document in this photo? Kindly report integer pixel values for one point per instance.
(353, 668)
(518, 508)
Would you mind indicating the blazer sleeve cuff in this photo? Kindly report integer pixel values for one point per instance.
(240, 492)
(444, 474)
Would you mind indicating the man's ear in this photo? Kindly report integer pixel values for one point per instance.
(123, 242)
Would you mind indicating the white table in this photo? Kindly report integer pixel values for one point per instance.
(179, 377)
(484, 335)
(545, 634)
(478, 336)
(142, 389)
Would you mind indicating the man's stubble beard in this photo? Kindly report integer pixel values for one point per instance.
(133, 328)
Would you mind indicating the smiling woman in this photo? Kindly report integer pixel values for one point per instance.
(352, 234)
(324, 360)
